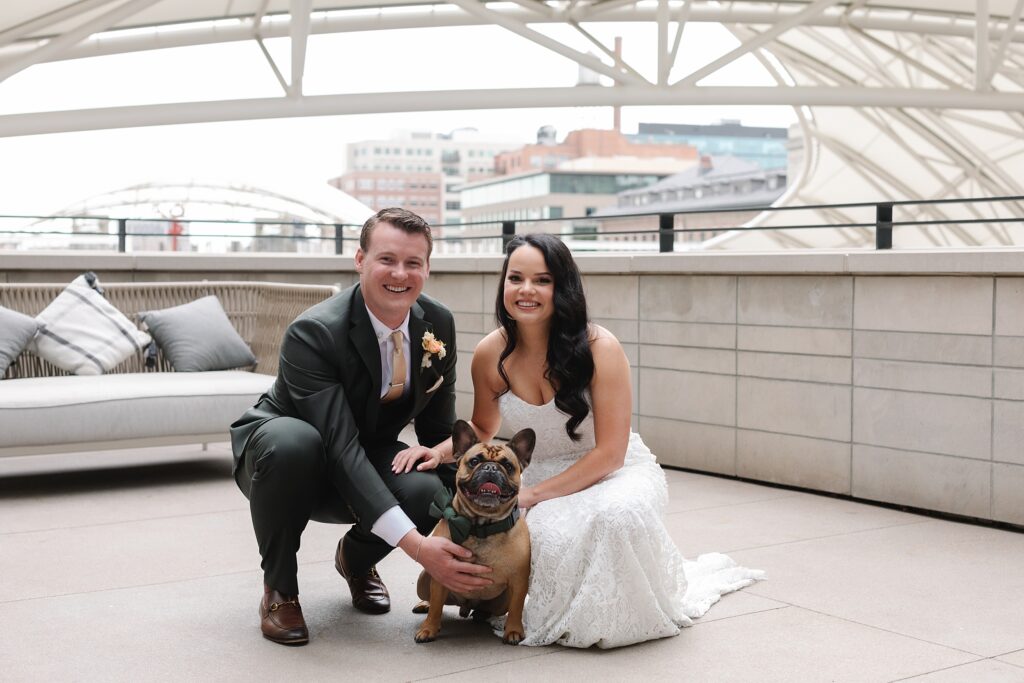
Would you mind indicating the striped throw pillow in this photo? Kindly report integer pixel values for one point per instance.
(81, 332)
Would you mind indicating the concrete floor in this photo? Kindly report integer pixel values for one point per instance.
(141, 565)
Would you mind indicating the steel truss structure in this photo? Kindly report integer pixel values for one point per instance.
(905, 99)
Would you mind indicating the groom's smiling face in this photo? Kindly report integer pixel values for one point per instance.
(392, 272)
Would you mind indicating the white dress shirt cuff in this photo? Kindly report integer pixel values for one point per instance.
(393, 525)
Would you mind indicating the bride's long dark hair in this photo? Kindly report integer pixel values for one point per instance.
(570, 363)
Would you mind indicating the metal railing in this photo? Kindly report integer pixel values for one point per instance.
(605, 231)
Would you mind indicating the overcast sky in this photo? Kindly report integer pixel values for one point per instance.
(46, 173)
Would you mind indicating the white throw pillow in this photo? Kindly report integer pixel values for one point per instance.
(81, 332)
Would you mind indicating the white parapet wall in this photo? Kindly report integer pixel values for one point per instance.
(887, 376)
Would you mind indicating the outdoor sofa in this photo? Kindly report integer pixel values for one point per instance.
(44, 409)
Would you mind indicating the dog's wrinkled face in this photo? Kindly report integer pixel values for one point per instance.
(487, 482)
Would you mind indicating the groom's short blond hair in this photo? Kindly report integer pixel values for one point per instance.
(403, 219)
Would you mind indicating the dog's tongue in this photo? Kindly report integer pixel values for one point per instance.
(489, 487)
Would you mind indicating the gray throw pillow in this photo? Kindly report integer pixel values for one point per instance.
(198, 336)
(16, 331)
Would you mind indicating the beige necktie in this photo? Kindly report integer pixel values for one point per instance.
(397, 369)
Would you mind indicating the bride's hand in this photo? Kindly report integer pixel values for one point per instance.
(405, 459)
(527, 498)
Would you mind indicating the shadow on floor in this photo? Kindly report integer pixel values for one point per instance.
(109, 478)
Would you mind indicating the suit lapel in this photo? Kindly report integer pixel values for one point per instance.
(365, 341)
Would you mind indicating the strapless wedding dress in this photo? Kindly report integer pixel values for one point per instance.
(604, 570)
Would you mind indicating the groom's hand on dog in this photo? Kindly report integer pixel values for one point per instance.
(451, 564)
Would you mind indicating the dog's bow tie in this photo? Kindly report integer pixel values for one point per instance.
(459, 527)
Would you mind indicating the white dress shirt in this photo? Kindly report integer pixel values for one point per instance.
(394, 523)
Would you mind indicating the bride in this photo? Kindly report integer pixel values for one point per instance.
(604, 570)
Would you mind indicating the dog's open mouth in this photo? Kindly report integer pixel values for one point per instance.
(487, 492)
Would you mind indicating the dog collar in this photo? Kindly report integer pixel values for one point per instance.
(461, 527)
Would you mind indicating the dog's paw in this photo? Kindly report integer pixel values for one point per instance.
(513, 637)
(426, 635)
(421, 607)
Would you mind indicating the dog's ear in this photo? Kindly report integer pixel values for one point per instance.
(522, 445)
(463, 438)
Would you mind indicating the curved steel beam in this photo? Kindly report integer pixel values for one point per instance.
(511, 98)
(56, 46)
(27, 28)
(447, 15)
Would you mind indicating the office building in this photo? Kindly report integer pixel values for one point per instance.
(763, 145)
(420, 171)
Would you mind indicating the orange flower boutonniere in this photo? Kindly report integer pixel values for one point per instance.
(432, 346)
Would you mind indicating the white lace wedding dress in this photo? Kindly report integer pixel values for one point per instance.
(604, 570)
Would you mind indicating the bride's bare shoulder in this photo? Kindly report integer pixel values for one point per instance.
(600, 337)
(488, 350)
(605, 348)
(485, 361)
(492, 344)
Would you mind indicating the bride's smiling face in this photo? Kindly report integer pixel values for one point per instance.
(529, 288)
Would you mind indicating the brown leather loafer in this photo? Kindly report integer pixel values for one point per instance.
(281, 618)
(369, 594)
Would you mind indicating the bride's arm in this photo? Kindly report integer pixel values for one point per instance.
(611, 394)
(486, 380)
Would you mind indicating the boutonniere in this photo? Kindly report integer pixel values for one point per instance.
(432, 347)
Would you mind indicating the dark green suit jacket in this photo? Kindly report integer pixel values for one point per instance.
(330, 377)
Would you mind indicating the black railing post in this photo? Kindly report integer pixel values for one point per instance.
(666, 238)
(339, 239)
(122, 234)
(883, 226)
(508, 231)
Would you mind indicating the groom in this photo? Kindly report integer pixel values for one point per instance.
(354, 370)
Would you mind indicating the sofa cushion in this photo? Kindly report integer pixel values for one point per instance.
(198, 336)
(39, 411)
(82, 332)
(16, 331)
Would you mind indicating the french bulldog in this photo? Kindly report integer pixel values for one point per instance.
(483, 516)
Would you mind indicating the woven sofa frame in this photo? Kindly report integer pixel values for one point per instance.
(259, 311)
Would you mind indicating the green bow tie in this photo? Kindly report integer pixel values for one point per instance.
(460, 528)
(441, 508)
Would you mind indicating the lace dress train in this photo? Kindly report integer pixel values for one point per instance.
(604, 570)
